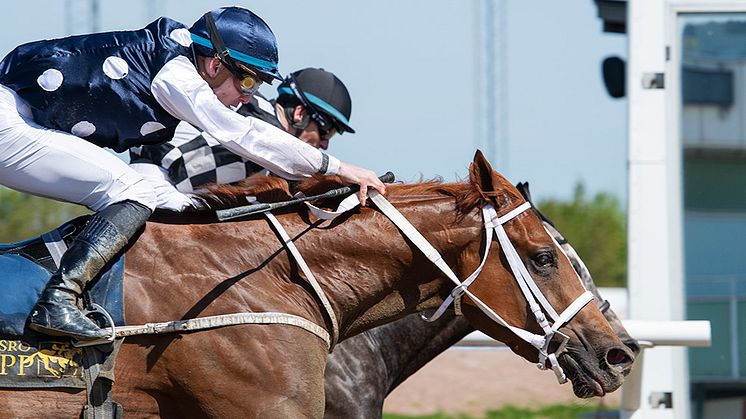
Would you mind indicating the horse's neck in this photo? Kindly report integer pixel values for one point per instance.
(409, 343)
(370, 273)
(392, 277)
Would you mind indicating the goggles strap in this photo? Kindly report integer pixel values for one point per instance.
(217, 42)
(301, 96)
(221, 52)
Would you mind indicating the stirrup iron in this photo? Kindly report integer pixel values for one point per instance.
(91, 309)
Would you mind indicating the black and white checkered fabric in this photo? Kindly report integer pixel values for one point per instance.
(194, 158)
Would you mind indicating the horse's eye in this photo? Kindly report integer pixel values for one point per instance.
(544, 259)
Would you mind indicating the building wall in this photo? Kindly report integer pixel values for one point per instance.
(713, 153)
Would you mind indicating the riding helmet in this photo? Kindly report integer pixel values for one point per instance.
(324, 91)
(246, 36)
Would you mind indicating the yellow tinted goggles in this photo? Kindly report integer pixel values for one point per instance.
(249, 82)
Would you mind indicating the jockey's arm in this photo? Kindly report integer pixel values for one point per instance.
(185, 95)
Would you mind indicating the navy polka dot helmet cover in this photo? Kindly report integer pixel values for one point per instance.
(247, 37)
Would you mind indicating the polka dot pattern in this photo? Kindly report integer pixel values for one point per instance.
(83, 129)
(99, 88)
(151, 127)
(50, 80)
(116, 68)
(181, 36)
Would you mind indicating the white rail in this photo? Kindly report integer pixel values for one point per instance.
(648, 333)
(670, 333)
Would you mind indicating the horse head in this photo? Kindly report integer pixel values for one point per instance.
(532, 299)
(585, 276)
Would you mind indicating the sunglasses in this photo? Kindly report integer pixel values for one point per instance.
(326, 131)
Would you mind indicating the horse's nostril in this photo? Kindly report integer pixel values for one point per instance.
(617, 357)
(632, 345)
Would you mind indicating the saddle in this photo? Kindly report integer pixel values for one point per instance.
(29, 359)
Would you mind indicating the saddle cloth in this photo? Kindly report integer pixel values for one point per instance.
(33, 360)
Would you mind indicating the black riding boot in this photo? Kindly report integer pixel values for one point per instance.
(57, 312)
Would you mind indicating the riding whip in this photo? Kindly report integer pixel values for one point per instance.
(243, 211)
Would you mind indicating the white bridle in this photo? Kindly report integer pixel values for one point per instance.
(532, 293)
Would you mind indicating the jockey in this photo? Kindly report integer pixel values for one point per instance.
(62, 100)
(315, 105)
(312, 104)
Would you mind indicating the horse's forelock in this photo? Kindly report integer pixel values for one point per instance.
(509, 196)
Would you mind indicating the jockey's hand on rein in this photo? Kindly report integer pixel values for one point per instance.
(363, 177)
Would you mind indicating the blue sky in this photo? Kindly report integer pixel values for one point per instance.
(410, 67)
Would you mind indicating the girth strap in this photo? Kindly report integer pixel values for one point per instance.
(98, 361)
(55, 245)
(212, 322)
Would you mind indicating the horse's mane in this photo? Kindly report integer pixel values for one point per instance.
(262, 188)
(267, 189)
(272, 189)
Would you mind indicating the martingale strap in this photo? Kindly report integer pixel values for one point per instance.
(212, 322)
(288, 242)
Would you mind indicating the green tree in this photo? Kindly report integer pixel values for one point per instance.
(25, 216)
(596, 228)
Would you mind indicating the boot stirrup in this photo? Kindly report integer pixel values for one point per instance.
(94, 308)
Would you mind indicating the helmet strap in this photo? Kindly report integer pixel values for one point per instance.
(220, 76)
(298, 125)
(221, 52)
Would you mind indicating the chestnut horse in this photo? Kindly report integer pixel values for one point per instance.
(371, 275)
(366, 368)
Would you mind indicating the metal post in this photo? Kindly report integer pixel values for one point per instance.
(95, 16)
(655, 211)
(489, 84)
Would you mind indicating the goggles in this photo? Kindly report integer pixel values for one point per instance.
(327, 126)
(327, 132)
(249, 80)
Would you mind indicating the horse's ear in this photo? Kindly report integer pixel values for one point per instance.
(481, 175)
(488, 182)
(523, 189)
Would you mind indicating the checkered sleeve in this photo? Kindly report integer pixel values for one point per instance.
(180, 90)
(193, 159)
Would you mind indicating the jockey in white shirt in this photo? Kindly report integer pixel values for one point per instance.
(62, 100)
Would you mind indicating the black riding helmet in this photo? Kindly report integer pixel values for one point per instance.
(322, 94)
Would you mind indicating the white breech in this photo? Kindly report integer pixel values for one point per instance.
(167, 196)
(61, 166)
